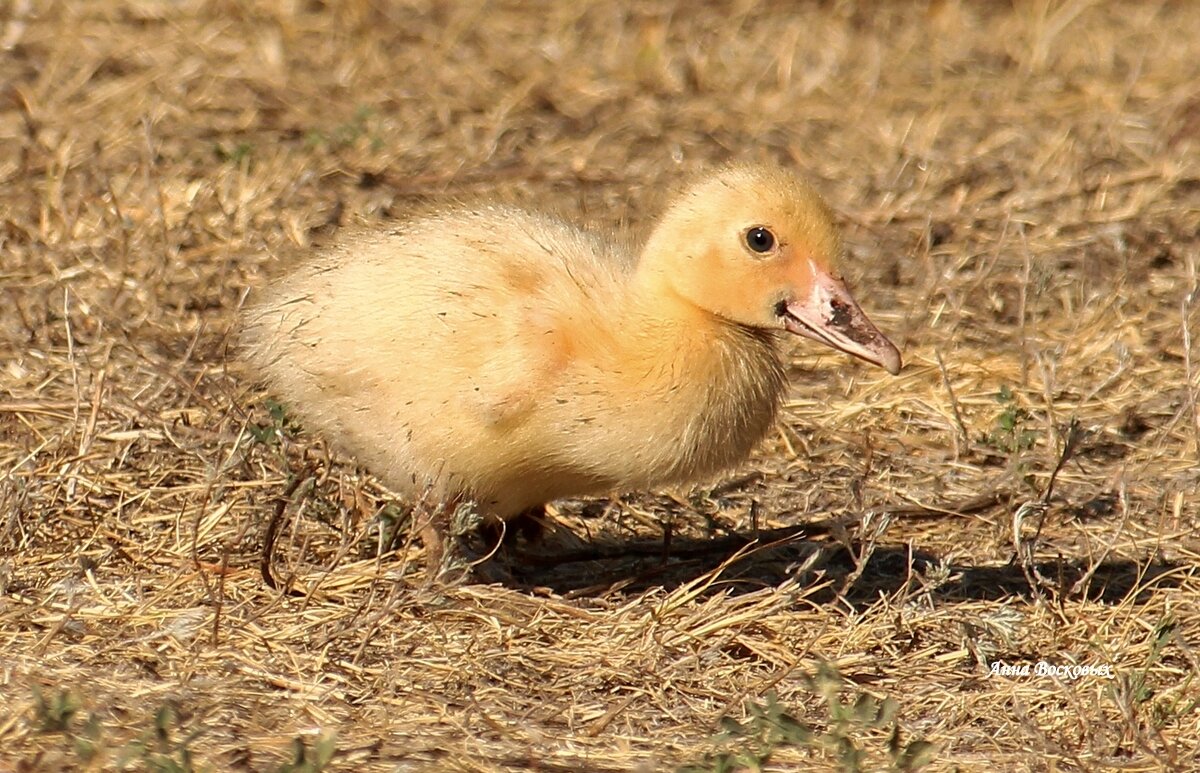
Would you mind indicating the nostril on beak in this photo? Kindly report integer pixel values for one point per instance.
(841, 316)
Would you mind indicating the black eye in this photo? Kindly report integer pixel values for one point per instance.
(760, 239)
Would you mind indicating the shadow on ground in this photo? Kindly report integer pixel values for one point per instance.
(888, 570)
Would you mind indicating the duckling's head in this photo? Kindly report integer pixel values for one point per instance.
(756, 245)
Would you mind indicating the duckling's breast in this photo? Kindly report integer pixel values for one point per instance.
(737, 404)
(690, 407)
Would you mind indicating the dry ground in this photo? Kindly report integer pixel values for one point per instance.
(1020, 187)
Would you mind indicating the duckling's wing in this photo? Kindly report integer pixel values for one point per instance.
(451, 330)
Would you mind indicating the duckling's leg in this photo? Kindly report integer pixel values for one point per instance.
(434, 533)
(450, 558)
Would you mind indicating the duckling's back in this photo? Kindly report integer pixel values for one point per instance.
(420, 349)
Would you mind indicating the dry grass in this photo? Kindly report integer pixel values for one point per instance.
(1021, 191)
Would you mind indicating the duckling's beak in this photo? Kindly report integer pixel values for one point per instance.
(831, 315)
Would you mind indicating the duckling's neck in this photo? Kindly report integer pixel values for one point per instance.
(716, 383)
(670, 328)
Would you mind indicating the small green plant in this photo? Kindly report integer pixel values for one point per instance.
(157, 749)
(57, 715)
(306, 760)
(769, 727)
(271, 433)
(348, 134)
(1137, 683)
(164, 747)
(1171, 705)
(1010, 435)
(1150, 703)
(232, 154)
(387, 531)
(54, 714)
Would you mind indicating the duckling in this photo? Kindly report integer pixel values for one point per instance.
(491, 354)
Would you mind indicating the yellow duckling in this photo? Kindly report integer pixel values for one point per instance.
(506, 357)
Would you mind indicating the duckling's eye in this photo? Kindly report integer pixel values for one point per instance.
(760, 239)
